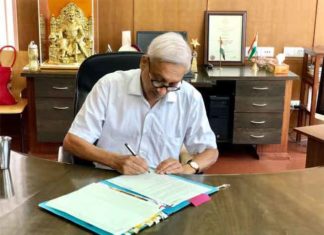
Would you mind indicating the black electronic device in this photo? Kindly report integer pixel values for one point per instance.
(219, 117)
(144, 38)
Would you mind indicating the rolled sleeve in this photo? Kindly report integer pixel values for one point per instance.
(199, 135)
(89, 121)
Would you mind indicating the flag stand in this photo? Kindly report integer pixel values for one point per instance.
(220, 64)
(253, 50)
(255, 67)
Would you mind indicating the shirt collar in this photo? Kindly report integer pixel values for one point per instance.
(135, 88)
(171, 97)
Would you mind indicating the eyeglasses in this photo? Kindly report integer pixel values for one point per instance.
(173, 86)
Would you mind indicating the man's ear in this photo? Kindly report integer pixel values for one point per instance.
(144, 61)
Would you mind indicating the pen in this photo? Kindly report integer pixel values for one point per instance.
(224, 186)
(130, 149)
(132, 152)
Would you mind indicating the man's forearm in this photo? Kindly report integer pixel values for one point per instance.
(204, 160)
(85, 150)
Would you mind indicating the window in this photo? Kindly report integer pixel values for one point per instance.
(8, 23)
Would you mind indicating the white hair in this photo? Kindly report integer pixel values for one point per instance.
(170, 47)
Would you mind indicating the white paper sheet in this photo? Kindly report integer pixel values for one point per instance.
(165, 189)
(105, 208)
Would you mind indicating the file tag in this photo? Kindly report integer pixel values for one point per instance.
(200, 199)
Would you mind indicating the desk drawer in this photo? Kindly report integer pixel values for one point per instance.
(258, 120)
(260, 88)
(258, 104)
(256, 136)
(53, 118)
(54, 87)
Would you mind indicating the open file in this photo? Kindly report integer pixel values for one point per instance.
(126, 204)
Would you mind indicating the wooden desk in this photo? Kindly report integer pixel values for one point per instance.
(260, 106)
(51, 105)
(283, 203)
(315, 144)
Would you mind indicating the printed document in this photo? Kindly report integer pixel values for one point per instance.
(165, 189)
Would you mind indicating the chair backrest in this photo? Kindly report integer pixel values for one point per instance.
(92, 69)
(96, 66)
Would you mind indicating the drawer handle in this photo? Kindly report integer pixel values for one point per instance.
(260, 88)
(258, 122)
(61, 108)
(60, 88)
(257, 136)
(259, 105)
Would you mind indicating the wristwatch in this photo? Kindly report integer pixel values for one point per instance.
(194, 165)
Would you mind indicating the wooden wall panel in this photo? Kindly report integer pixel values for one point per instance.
(319, 27)
(114, 17)
(295, 65)
(172, 15)
(279, 23)
(27, 23)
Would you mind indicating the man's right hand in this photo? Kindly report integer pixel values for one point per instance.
(125, 164)
(131, 165)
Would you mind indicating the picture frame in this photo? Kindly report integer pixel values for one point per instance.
(225, 37)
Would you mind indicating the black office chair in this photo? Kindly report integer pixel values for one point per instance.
(96, 66)
(92, 69)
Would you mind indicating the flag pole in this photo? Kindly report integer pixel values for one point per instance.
(220, 54)
(253, 51)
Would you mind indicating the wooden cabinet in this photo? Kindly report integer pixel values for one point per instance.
(51, 104)
(258, 112)
(54, 100)
(312, 62)
(261, 106)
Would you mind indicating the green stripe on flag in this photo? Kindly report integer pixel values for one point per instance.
(222, 52)
(253, 51)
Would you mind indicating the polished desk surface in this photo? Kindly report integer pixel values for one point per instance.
(209, 77)
(316, 131)
(281, 203)
(204, 76)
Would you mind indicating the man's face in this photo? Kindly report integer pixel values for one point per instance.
(159, 78)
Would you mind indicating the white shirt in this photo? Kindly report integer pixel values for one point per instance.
(115, 112)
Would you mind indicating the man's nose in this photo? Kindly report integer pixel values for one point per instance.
(162, 90)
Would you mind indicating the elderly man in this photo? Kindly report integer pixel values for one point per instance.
(152, 110)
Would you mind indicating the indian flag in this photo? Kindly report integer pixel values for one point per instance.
(221, 49)
(253, 48)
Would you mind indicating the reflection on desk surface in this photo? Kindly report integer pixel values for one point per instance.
(245, 72)
(224, 72)
(6, 186)
(276, 203)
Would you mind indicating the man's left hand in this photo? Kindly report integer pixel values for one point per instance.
(169, 166)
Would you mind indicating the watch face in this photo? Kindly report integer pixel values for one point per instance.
(194, 165)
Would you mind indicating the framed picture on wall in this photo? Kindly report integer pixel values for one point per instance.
(225, 37)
